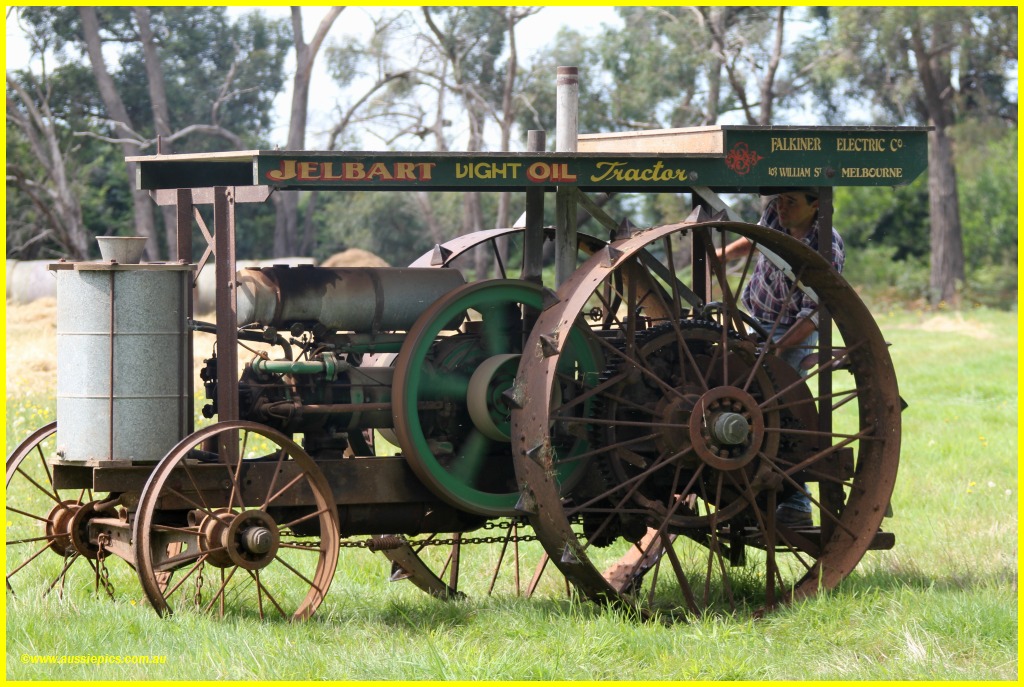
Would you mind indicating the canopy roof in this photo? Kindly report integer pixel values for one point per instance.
(724, 158)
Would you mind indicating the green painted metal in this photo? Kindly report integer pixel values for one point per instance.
(455, 471)
(327, 365)
(750, 157)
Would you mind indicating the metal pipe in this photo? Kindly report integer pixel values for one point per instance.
(533, 234)
(328, 365)
(566, 137)
(567, 109)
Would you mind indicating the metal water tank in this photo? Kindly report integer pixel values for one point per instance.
(123, 361)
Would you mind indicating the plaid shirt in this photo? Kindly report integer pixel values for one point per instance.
(766, 293)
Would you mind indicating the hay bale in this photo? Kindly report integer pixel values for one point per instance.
(28, 280)
(354, 257)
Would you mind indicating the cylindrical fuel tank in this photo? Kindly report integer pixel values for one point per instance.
(122, 360)
(353, 299)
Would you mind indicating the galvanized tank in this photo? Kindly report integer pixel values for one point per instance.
(122, 360)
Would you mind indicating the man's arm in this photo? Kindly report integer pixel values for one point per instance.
(800, 330)
(740, 248)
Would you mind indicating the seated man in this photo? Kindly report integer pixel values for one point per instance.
(790, 317)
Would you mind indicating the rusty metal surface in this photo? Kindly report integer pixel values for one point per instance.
(876, 399)
(358, 299)
(241, 535)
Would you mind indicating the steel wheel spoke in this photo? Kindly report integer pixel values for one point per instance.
(52, 495)
(170, 592)
(471, 458)
(46, 537)
(255, 575)
(27, 515)
(304, 518)
(295, 480)
(273, 479)
(26, 562)
(296, 572)
(63, 572)
(220, 591)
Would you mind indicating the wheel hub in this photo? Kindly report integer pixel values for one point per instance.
(248, 539)
(488, 408)
(58, 526)
(727, 428)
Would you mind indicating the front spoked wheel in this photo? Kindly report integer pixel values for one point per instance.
(244, 519)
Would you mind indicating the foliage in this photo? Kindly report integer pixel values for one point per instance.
(217, 71)
(386, 224)
(987, 168)
(664, 66)
(873, 60)
(895, 217)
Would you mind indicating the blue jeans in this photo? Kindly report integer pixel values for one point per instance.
(799, 500)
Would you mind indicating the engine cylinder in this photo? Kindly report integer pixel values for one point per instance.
(354, 299)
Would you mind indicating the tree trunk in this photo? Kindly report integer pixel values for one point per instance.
(286, 204)
(141, 203)
(947, 260)
(161, 116)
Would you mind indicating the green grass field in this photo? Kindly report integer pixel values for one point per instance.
(942, 605)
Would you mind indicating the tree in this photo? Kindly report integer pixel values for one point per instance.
(178, 76)
(935, 67)
(286, 232)
(52, 193)
(382, 103)
(122, 125)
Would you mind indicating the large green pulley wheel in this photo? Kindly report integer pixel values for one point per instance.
(452, 411)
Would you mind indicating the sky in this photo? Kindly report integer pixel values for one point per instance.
(533, 34)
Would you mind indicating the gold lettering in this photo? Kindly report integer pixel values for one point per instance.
(873, 172)
(286, 171)
(327, 172)
(379, 169)
(860, 145)
(308, 171)
(353, 171)
(620, 171)
(425, 170)
(795, 144)
(404, 171)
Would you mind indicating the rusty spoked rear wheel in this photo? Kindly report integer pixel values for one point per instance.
(47, 526)
(699, 430)
(244, 519)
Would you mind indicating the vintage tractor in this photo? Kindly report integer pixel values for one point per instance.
(630, 424)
